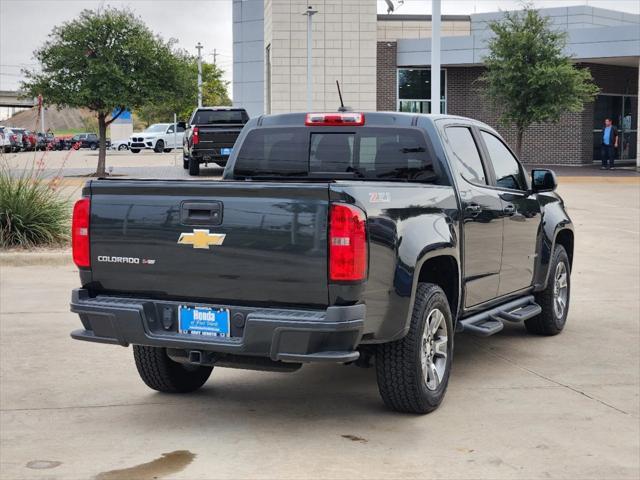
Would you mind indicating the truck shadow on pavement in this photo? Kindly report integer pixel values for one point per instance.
(333, 393)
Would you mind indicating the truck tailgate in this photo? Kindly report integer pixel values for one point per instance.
(274, 248)
(218, 136)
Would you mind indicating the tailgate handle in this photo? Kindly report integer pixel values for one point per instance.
(201, 213)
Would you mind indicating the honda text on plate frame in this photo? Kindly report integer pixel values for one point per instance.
(204, 321)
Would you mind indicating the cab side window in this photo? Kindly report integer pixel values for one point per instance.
(506, 167)
(170, 129)
(466, 156)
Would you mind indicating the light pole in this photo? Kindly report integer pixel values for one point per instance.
(199, 47)
(309, 13)
(435, 56)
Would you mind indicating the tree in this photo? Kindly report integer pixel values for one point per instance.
(528, 76)
(106, 61)
(185, 97)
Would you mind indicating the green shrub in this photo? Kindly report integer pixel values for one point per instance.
(32, 212)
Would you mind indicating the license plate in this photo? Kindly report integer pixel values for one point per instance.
(225, 151)
(206, 321)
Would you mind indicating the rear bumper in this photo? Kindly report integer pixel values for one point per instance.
(210, 155)
(290, 335)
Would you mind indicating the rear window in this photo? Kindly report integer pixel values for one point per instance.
(371, 153)
(207, 117)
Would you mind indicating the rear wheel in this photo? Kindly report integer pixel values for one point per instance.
(554, 299)
(161, 373)
(194, 166)
(159, 146)
(167, 150)
(413, 373)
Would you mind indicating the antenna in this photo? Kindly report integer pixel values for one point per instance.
(342, 107)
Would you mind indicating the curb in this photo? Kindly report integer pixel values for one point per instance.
(23, 259)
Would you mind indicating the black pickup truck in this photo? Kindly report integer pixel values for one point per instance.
(341, 238)
(210, 136)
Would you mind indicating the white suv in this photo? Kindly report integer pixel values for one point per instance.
(160, 137)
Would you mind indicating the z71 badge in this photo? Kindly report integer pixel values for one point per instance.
(379, 197)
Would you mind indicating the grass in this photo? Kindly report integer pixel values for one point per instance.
(33, 212)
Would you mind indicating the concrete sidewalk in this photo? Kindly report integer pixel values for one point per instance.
(518, 406)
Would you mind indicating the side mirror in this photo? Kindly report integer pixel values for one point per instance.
(543, 180)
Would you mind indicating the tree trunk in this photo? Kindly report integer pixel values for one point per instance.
(519, 136)
(102, 152)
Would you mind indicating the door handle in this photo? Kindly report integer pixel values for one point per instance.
(473, 209)
(509, 209)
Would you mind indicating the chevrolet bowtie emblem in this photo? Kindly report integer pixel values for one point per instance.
(201, 238)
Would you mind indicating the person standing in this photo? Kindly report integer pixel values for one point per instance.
(609, 144)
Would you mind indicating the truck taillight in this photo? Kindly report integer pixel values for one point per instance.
(80, 233)
(196, 136)
(348, 250)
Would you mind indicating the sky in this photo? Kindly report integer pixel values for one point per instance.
(25, 24)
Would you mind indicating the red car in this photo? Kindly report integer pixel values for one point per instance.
(29, 140)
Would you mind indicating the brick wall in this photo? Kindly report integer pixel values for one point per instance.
(386, 72)
(570, 141)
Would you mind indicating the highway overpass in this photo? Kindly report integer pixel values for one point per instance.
(10, 98)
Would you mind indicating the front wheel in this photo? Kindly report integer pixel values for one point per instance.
(413, 373)
(167, 150)
(159, 146)
(161, 373)
(122, 147)
(94, 146)
(135, 150)
(554, 299)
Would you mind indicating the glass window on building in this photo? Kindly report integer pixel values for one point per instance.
(414, 90)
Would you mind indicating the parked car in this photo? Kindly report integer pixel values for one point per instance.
(5, 141)
(210, 136)
(32, 138)
(61, 142)
(159, 137)
(12, 140)
(23, 136)
(44, 141)
(332, 237)
(120, 144)
(85, 140)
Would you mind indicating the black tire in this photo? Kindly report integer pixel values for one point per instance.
(161, 373)
(93, 146)
(194, 167)
(7, 149)
(135, 150)
(551, 321)
(167, 150)
(399, 369)
(185, 163)
(159, 146)
(122, 147)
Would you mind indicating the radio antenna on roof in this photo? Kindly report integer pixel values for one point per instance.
(342, 107)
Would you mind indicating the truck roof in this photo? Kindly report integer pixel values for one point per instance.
(371, 119)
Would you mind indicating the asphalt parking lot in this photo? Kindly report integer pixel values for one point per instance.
(518, 406)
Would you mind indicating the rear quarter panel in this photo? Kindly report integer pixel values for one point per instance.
(407, 225)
